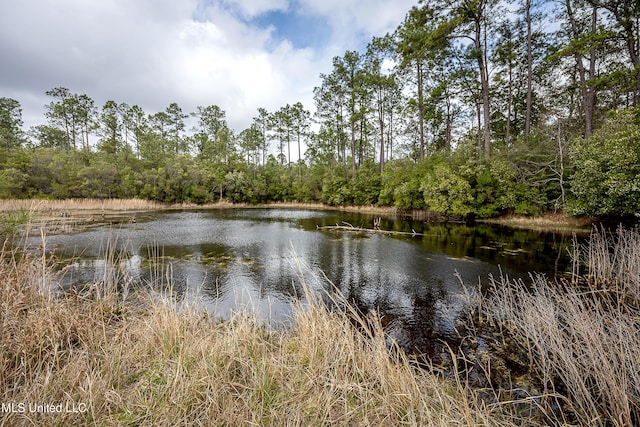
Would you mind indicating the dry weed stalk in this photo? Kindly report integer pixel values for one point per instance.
(582, 342)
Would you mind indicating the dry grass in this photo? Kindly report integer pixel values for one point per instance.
(560, 223)
(149, 361)
(581, 339)
(35, 205)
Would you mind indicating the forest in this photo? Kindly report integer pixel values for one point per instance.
(469, 108)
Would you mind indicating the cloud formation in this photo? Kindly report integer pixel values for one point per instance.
(233, 53)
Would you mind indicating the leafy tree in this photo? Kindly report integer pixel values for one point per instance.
(625, 26)
(414, 46)
(446, 192)
(330, 112)
(261, 123)
(111, 127)
(366, 190)
(176, 126)
(336, 188)
(211, 121)
(137, 124)
(607, 168)
(300, 124)
(11, 135)
(384, 87)
(72, 113)
(342, 102)
(281, 126)
(251, 140)
(472, 19)
(48, 136)
(13, 183)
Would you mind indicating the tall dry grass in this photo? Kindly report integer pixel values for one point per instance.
(581, 337)
(109, 360)
(42, 205)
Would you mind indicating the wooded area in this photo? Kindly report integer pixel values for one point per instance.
(470, 107)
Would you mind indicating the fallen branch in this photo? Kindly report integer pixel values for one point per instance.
(366, 230)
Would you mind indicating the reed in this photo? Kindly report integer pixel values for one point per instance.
(43, 205)
(580, 337)
(150, 360)
(556, 222)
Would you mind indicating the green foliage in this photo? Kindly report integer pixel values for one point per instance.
(13, 184)
(336, 188)
(446, 192)
(238, 187)
(367, 186)
(10, 221)
(400, 187)
(10, 124)
(307, 184)
(607, 175)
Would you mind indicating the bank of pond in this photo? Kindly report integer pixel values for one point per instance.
(512, 319)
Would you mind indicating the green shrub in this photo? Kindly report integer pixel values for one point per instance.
(607, 175)
(446, 192)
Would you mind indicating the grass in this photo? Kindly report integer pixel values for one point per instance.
(98, 205)
(41, 205)
(579, 338)
(11, 221)
(557, 222)
(144, 359)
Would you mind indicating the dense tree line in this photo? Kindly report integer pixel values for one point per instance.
(470, 107)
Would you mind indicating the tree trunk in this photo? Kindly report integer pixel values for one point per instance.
(420, 110)
(484, 84)
(527, 122)
(587, 88)
(381, 122)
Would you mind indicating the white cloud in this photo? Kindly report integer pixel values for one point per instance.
(154, 52)
(356, 21)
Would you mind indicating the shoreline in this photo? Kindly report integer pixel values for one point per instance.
(560, 223)
(118, 209)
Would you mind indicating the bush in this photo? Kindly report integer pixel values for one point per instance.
(607, 175)
(446, 192)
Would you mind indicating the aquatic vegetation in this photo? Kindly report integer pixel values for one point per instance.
(578, 337)
(12, 220)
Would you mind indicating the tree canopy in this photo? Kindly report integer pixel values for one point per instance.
(471, 107)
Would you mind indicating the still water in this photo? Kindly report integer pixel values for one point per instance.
(257, 260)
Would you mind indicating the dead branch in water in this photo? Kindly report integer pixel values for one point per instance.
(348, 227)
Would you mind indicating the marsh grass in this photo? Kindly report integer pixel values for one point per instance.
(556, 222)
(150, 359)
(99, 205)
(11, 221)
(44, 205)
(581, 337)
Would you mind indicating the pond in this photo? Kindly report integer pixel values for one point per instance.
(257, 260)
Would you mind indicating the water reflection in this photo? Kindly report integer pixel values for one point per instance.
(251, 259)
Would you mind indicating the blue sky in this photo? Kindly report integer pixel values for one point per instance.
(303, 31)
(237, 54)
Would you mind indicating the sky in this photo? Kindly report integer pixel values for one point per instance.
(237, 54)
